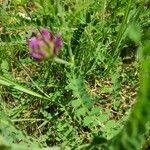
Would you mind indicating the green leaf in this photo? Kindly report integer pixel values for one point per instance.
(135, 33)
(110, 124)
(81, 112)
(103, 118)
(95, 111)
(76, 103)
(80, 92)
(7, 82)
(87, 120)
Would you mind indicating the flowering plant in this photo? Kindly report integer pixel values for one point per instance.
(44, 45)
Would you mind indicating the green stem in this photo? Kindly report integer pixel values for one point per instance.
(61, 61)
(47, 74)
(27, 119)
(122, 29)
(70, 53)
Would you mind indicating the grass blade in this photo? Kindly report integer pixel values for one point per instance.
(6, 82)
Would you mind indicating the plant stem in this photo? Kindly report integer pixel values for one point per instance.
(122, 29)
(24, 68)
(61, 61)
(27, 119)
(48, 74)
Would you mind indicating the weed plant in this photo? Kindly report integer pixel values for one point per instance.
(94, 94)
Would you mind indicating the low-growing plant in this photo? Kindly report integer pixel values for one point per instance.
(76, 89)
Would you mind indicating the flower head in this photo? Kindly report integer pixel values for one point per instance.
(44, 45)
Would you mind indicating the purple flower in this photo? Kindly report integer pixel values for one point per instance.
(44, 45)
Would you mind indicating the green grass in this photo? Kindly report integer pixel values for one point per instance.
(93, 95)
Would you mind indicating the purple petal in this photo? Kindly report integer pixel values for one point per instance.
(34, 43)
(45, 33)
(37, 55)
(58, 41)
